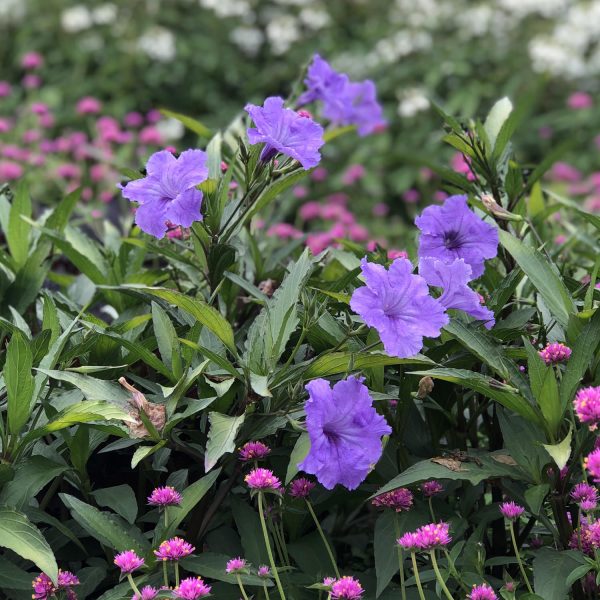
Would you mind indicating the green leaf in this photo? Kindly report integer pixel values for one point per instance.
(168, 343)
(543, 276)
(550, 571)
(535, 496)
(384, 549)
(221, 437)
(19, 382)
(143, 452)
(120, 498)
(192, 124)
(496, 119)
(17, 236)
(13, 577)
(212, 566)
(248, 526)
(561, 452)
(577, 573)
(102, 526)
(301, 448)
(18, 534)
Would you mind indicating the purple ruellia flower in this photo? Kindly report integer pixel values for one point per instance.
(511, 510)
(254, 451)
(427, 537)
(168, 192)
(454, 278)
(301, 487)
(284, 131)
(397, 304)
(236, 565)
(262, 479)
(146, 593)
(400, 499)
(586, 496)
(555, 353)
(263, 571)
(345, 432)
(192, 588)
(587, 406)
(431, 488)
(592, 464)
(174, 549)
(344, 102)
(346, 587)
(128, 561)
(452, 231)
(164, 496)
(482, 592)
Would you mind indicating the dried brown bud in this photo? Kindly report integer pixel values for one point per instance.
(498, 211)
(268, 287)
(426, 386)
(156, 413)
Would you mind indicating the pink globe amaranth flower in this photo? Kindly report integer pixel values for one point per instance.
(482, 592)
(319, 174)
(153, 116)
(165, 496)
(262, 479)
(300, 191)
(328, 581)
(10, 170)
(380, 209)
(346, 587)
(400, 499)
(433, 535)
(409, 541)
(310, 211)
(560, 239)
(32, 60)
(254, 451)
(43, 588)
(545, 132)
(88, 106)
(5, 89)
(46, 121)
(358, 233)
(192, 588)
(31, 135)
(66, 579)
(562, 171)
(460, 164)
(511, 510)
(31, 81)
(579, 100)
(128, 561)
(263, 571)
(393, 254)
(236, 565)
(585, 495)
(68, 171)
(587, 405)
(174, 549)
(6, 126)
(146, 593)
(592, 464)
(411, 196)
(151, 136)
(284, 231)
(439, 196)
(431, 488)
(353, 174)
(39, 108)
(133, 119)
(555, 353)
(301, 487)
(317, 242)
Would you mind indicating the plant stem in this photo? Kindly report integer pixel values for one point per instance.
(263, 524)
(431, 509)
(325, 542)
(439, 575)
(132, 584)
(266, 591)
(176, 573)
(518, 557)
(413, 557)
(165, 574)
(239, 580)
(400, 558)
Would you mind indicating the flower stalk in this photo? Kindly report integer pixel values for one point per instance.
(263, 524)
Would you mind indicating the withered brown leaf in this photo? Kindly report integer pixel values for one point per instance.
(449, 463)
(156, 413)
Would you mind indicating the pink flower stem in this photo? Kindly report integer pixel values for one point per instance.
(439, 575)
(325, 542)
(263, 524)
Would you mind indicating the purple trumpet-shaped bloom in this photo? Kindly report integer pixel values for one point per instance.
(284, 131)
(345, 432)
(454, 278)
(168, 192)
(397, 304)
(452, 231)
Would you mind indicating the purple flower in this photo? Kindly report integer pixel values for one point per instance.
(482, 592)
(263, 571)
(427, 537)
(431, 488)
(284, 131)
(344, 102)
(164, 496)
(128, 561)
(397, 303)
(346, 587)
(254, 451)
(66, 579)
(174, 549)
(192, 588)
(43, 588)
(400, 499)
(454, 278)
(586, 496)
(452, 231)
(301, 487)
(592, 464)
(236, 565)
(146, 593)
(587, 405)
(409, 541)
(262, 479)
(345, 432)
(511, 510)
(168, 192)
(555, 353)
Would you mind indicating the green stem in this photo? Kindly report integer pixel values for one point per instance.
(176, 573)
(266, 591)
(165, 574)
(413, 557)
(166, 520)
(439, 576)
(400, 558)
(431, 509)
(239, 580)
(518, 557)
(325, 542)
(263, 524)
(132, 584)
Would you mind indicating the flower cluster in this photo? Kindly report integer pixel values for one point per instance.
(347, 588)
(192, 588)
(262, 479)
(482, 592)
(254, 451)
(128, 561)
(427, 537)
(301, 487)
(586, 496)
(592, 464)
(44, 588)
(236, 565)
(555, 353)
(511, 510)
(173, 549)
(587, 406)
(165, 496)
(400, 500)
(431, 488)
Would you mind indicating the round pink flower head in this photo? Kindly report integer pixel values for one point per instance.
(5, 89)
(174, 549)
(579, 100)
(586, 496)
(482, 592)
(346, 587)
(262, 479)
(146, 593)
(587, 406)
(400, 499)
(264, 571)
(66, 579)
(511, 511)
(254, 451)
(32, 60)
(592, 464)
(433, 535)
(301, 487)
(165, 496)
(431, 488)
(328, 581)
(409, 541)
(43, 588)
(236, 565)
(89, 106)
(128, 561)
(555, 353)
(192, 588)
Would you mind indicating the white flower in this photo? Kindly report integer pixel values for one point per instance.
(77, 18)
(105, 14)
(12, 10)
(315, 18)
(282, 32)
(412, 101)
(170, 129)
(228, 8)
(249, 39)
(158, 43)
